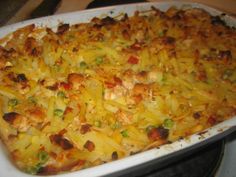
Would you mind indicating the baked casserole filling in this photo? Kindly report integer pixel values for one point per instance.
(90, 93)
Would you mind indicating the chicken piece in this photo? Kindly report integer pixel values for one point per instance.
(114, 93)
(141, 89)
(89, 145)
(17, 121)
(128, 79)
(59, 140)
(141, 77)
(75, 80)
(36, 115)
(124, 117)
(32, 47)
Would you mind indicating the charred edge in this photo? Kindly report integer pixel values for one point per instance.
(62, 29)
(21, 78)
(216, 20)
(62, 142)
(85, 128)
(10, 117)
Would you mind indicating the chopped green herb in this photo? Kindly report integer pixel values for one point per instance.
(99, 60)
(116, 125)
(32, 99)
(164, 78)
(227, 74)
(43, 157)
(124, 133)
(34, 169)
(71, 36)
(97, 123)
(161, 34)
(56, 68)
(58, 112)
(168, 123)
(149, 128)
(13, 102)
(61, 94)
(83, 65)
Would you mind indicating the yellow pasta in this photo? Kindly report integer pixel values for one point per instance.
(95, 92)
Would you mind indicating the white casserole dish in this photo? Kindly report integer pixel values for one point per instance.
(166, 151)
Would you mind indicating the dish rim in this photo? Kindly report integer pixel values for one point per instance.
(168, 150)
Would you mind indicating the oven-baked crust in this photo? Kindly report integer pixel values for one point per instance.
(91, 93)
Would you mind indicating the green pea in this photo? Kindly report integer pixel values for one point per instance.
(168, 123)
(116, 125)
(43, 156)
(61, 94)
(164, 78)
(124, 133)
(227, 73)
(161, 34)
(83, 65)
(99, 60)
(13, 102)
(32, 100)
(34, 169)
(97, 123)
(58, 112)
(57, 68)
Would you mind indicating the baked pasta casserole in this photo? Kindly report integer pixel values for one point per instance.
(90, 93)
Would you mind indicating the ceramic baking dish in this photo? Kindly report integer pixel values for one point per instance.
(163, 153)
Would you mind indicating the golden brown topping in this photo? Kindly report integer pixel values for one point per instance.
(126, 34)
(136, 46)
(216, 20)
(53, 87)
(50, 169)
(168, 40)
(21, 78)
(201, 74)
(62, 132)
(196, 115)
(141, 89)
(47, 170)
(74, 78)
(10, 117)
(59, 140)
(103, 22)
(68, 110)
(36, 115)
(62, 29)
(225, 55)
(172, 72)
(32, 47)
(4, 53)
(85, 128)
(137, 98)
(110, 84)
(66, 86)
(114, 82)
(89, 145)
(2, 63)
(124, 117)
(108, 21)
(133, 60)
(158, 133)
(114, 155)
(212, 120)
(17, 121)
(142, 76)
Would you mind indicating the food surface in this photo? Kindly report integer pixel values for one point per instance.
(86, 94)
